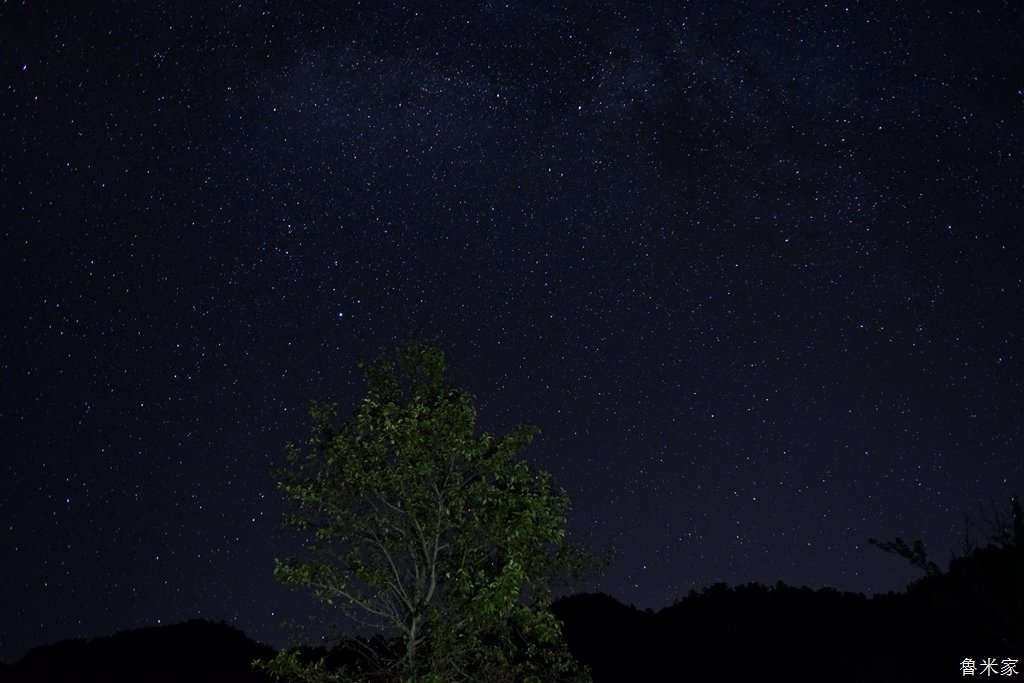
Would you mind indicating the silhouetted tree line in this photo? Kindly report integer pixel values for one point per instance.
(755, 632)
(974, 610)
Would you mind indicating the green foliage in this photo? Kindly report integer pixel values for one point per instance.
(419, 528)
(290, 666)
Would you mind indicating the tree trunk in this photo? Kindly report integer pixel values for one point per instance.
(410, 645)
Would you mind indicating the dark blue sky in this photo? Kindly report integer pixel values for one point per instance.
(755, 269)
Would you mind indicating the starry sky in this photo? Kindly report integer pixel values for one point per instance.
(755, 269)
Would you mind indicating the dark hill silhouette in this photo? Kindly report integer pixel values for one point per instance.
(196, 651)
(974, 610)
(753, 632)
(746, 633)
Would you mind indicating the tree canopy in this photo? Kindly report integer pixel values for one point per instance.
(444, 540)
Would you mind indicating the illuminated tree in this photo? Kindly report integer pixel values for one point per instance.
(444, 540)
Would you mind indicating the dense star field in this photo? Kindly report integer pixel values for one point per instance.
(754, 269)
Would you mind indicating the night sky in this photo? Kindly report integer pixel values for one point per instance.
(755, 270)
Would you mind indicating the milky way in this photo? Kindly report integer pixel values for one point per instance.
(755, 271)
